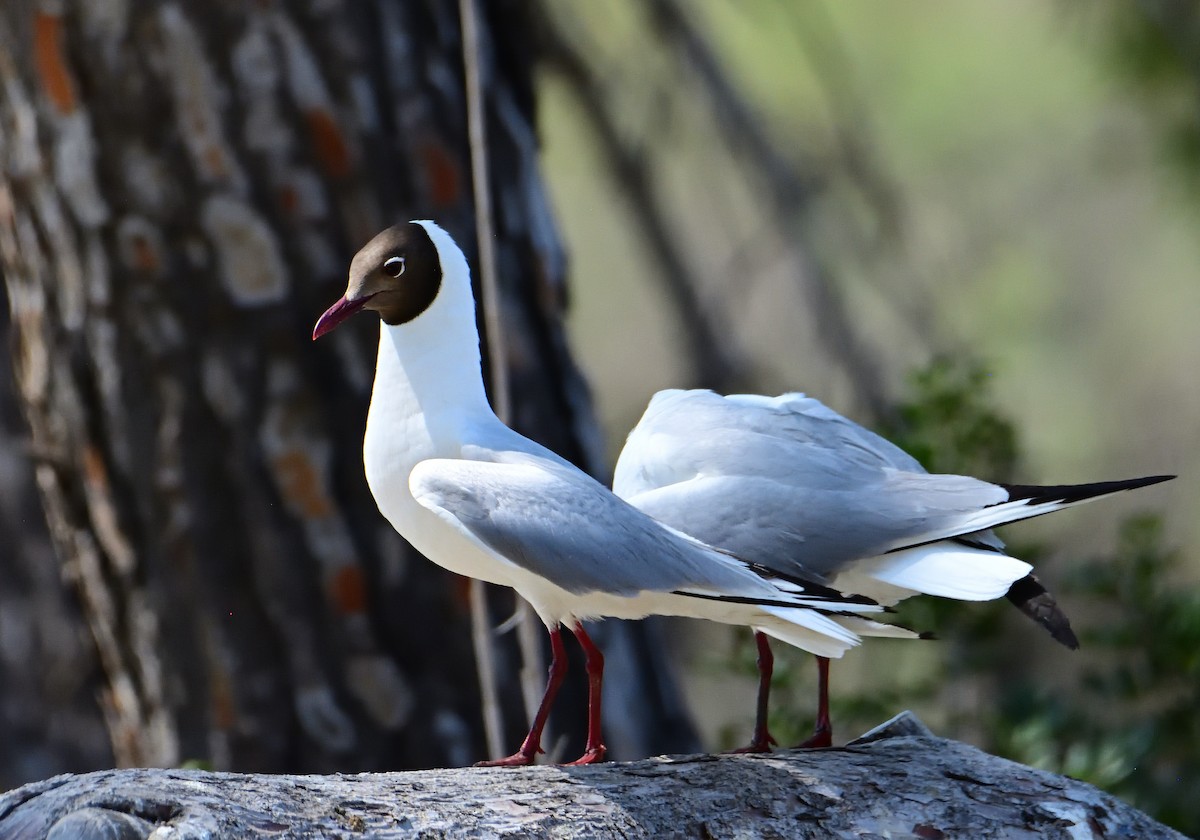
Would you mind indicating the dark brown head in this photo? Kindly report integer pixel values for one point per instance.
(398, 274)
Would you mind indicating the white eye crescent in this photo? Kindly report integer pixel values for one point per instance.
(394, 266)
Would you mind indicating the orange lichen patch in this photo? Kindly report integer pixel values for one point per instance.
(94, 471)
(329, 143)
(348, 589)
(140, 245)
(442, 174)
(289, 200)
(300, 483)
(51, 62)
(216, 164)
(145, 258)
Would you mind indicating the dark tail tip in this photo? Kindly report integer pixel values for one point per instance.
(1030, 597)
(1069, 493)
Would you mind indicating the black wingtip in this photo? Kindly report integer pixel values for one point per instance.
(1068, 493)
(928, 636)
(1031, 598)
(829, 609)
(810, 587)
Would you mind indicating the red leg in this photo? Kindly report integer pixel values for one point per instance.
(761, 741)
(532, 745)
(823, 731)
(595, 749)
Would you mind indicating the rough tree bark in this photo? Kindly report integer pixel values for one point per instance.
(181, 188)
(49, 720)
(899, 781)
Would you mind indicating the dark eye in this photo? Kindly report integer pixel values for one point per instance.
(394, 266)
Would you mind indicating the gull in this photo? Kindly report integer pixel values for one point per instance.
(481, 500)
(796, 488)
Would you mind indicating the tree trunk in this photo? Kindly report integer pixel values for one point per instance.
(902, 782)
(182, 188)
(49, 720)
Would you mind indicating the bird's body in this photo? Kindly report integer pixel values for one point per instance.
(789, 483)
(794, 487)
(484, 501)
(481, 500)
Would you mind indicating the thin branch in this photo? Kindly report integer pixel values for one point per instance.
(834, 71)
(715, 362)
(485, 667)
(481, 629)
(787, 192)
(485, 235)
(530, 638)
(740, 124)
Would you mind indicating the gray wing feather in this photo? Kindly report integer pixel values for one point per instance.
(785, 481)
(793, 438)
(571, 530)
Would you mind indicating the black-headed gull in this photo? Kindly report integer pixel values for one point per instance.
(481, 500)
(793, 486)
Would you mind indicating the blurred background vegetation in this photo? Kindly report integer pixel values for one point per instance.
(993, 208)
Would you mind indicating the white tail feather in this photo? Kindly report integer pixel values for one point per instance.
(867, 627)
(816, 633)
(945, 569)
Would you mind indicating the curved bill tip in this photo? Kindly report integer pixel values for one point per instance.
(337, 313)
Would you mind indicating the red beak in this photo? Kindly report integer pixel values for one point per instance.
(337, 313)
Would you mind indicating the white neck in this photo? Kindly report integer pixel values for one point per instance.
(428, 393)
(429, 369)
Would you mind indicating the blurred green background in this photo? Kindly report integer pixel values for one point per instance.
(1007, 187)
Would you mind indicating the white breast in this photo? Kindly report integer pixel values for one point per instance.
(401, 432)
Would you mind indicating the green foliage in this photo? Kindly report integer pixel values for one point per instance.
(1128, 721)
(1125, 719)
(949, 424)
(1154, 47)
(197, 764)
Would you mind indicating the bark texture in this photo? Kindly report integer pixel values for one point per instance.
(181, 188)
(49, 719)
(895, 784)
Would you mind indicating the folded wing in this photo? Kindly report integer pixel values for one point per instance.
(560, 525)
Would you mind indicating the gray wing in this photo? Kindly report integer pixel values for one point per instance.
(791, 437)
(785, 481)
(565, 527)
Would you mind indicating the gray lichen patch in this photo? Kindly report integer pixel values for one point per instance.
(249, 262)
(198, 98)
